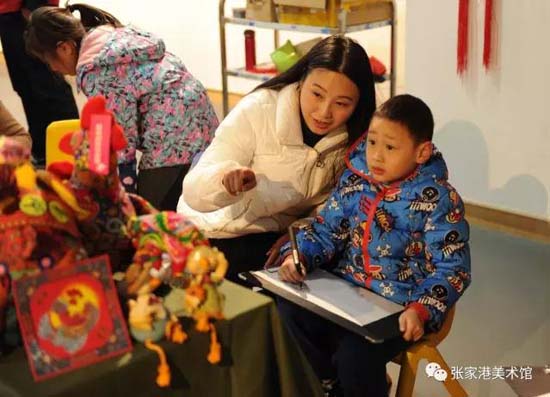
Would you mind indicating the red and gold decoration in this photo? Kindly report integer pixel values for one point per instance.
(70, 317)
(52, 220)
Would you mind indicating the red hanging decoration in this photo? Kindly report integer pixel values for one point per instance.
(487, 33)
(462, 42)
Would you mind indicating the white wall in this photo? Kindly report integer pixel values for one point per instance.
(493, 126)
(190, 29)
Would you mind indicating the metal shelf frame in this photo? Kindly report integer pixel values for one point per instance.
(343, 28)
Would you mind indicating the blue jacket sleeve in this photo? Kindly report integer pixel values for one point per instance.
(327, 235)
(448, 256)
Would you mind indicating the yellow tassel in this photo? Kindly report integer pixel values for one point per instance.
(164, 375)
(215, 354)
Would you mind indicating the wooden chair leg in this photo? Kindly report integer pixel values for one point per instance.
(407, 374)
(452, 385)
(426, 350)
(409, 370)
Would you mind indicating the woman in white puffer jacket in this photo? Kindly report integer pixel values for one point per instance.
(279, 152)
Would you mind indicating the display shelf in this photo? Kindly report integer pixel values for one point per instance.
(305, 28)
(242, 72)
(276, 27)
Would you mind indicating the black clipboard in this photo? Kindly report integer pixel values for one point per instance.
(376, 332)
(250, 280)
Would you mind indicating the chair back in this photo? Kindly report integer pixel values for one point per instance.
(435, 338)
(58, 138)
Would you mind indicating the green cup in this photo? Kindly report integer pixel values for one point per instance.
(285, 57)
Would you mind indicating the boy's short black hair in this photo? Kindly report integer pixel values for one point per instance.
(412, 112)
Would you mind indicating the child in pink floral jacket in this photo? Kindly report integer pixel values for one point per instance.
(163, 109)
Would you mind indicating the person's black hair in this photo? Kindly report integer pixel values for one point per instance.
(411, 112)
(343, 55)
(49, 26)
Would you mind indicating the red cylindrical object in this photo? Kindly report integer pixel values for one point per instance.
(250, 50)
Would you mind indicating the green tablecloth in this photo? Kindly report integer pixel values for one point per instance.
(260, 358)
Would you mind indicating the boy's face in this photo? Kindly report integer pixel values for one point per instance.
(392, 154)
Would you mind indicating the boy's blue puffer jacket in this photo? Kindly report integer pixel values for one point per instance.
(407, 241)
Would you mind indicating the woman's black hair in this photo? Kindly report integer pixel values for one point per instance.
(344, 55)
(49, 26)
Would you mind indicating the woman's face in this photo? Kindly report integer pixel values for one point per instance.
(64, 59)
(327, 100)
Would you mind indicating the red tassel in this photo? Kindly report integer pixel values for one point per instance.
(462, 42)
(487, 33)
(118, 141)
(96, 105)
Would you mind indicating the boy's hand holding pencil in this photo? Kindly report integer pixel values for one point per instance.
(288, 271)
(292, 269)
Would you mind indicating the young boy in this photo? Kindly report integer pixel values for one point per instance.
(396, 227)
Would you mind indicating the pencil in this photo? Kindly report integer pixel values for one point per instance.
(295, 253)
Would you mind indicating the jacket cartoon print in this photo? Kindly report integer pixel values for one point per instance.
(406, 241)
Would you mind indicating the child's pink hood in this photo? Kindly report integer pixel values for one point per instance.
(93, 43)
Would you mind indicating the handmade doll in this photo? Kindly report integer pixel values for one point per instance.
(207, 267)
(56, 217)
(101, 192)
(162, 241)
(149, 322)
(39, 219)
(170, 249)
